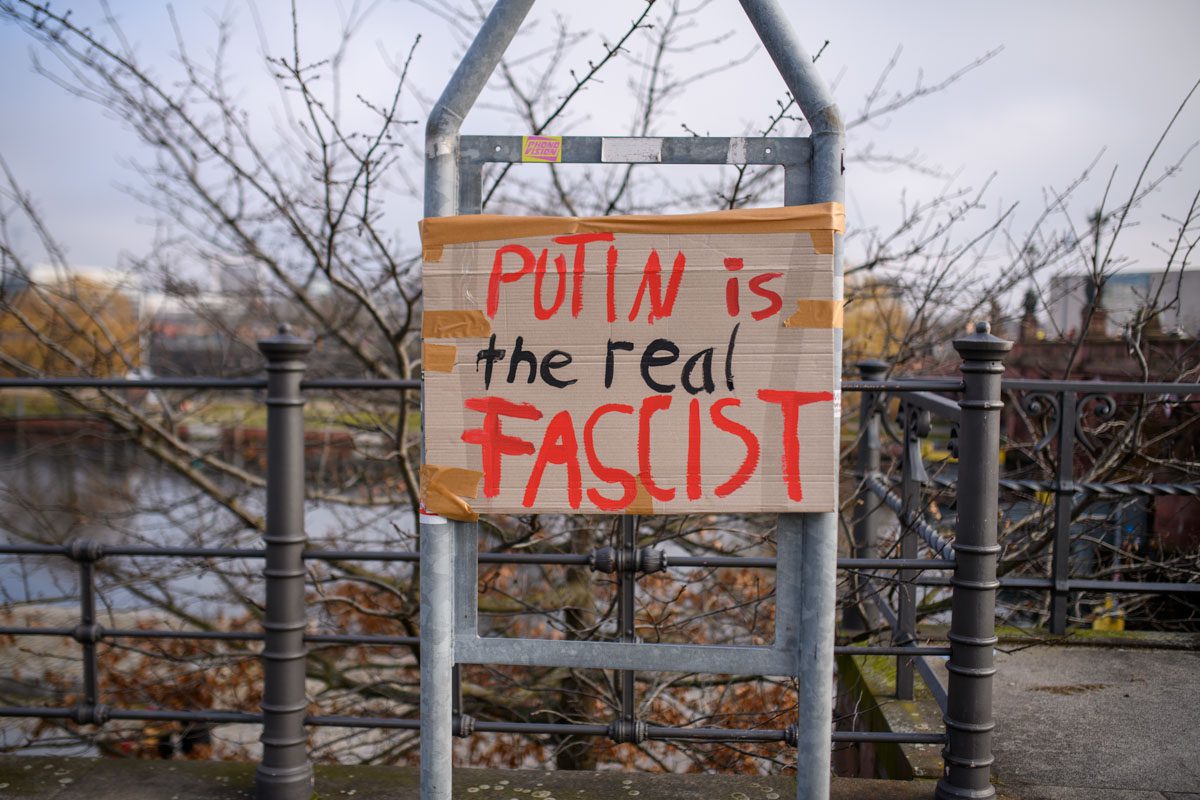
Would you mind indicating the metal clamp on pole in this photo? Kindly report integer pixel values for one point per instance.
(285, 772)
(969, 723)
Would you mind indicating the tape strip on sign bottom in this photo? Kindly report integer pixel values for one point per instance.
(438, 357)
(467, 323)
(643, 503)
(816, 314)
(443, 490)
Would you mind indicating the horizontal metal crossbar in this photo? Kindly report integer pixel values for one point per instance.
(901, 385)
(200, 384)
(736, 150)
(1082, 585)
(549, 559)
(716, 659)
(659, 732)
(1108, 387)
(369, 640)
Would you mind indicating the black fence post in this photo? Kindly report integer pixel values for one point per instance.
(285, 772)
(1064, 499)
(859, 614)
(914, 426)
(88, 710)
(969, 724)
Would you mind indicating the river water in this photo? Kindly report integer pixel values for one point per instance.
(93, 487)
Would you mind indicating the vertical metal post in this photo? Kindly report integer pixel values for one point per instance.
(911, 472)
(438, 534)
(626, 586)
(87, 618)
(817, 533)
(285, 773)
(437, 653)
(88, 711)
(859, 614)
(1064, 497)
(969, 724)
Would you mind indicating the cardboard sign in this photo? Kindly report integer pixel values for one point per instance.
(648, 365)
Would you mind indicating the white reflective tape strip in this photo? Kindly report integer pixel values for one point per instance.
(631, 150)
(432, 519)
(737, 151)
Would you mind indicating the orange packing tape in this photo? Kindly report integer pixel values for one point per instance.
(443, 490)
(438, 357)
(467, 323)
(642, 503)
(816, 314)
(822, 242)
(440, 231)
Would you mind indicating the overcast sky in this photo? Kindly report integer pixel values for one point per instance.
(1073, 79)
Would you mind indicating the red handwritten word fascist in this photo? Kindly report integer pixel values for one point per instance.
(661, 303)
(561, 446)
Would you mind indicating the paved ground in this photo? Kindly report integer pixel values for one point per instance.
(106, 779)
(1098, 723)
(1072, 723)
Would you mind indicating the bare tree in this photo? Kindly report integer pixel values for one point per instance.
(295, 224)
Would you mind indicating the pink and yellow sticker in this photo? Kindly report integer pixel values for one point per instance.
(541, 149)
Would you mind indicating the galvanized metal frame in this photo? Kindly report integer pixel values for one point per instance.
(806, 544)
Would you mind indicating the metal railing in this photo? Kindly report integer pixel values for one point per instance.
(284, 634)
(904, 496)
(970, 557)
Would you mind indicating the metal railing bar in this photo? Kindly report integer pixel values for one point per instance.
(10, 630)
(1134, 587)
(373, 640)
(889, 737)
(715, 734)
(905, 385)
(553, 559)
(201, 383)
(890, 650)
(562, 559)
(231, 636)
(1108, 387)
(362, 555)
(364, 384)
(895, 563)
(936, 690)
(481, 726)
(937, 405)
(934, 540)
(134, 383)
(1082, 585)
(577, 728)
(140, 633)
(1087, 487)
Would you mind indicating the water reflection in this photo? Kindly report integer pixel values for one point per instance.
(93, 484)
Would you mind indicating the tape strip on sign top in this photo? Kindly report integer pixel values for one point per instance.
(466, 323)
(443, 490)
(816, 314)
(819, 219)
